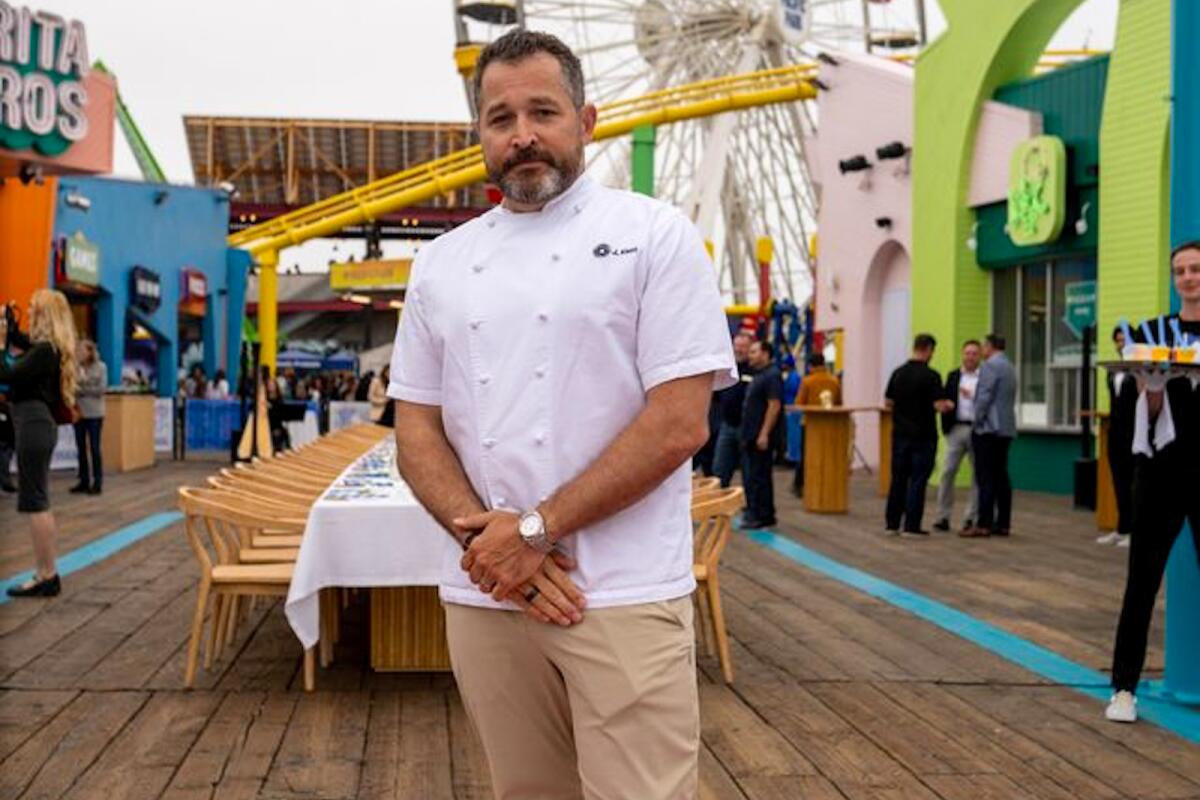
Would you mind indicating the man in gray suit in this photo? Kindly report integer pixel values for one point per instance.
(994, 428)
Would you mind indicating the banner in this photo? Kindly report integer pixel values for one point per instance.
(344, 413)
(164, 425)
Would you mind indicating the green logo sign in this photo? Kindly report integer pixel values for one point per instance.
(1080, 306)
(1037, 186)
(43, 61)
(82, 260)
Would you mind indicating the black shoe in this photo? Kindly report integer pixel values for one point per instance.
(755, 524)
(79, 488)
(94, 490)
(999, 531)
(907, 534)
(8, 487)
(942, 525)
(968, 523)
(50, 587)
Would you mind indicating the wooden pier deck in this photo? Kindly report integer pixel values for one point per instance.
(837, 694)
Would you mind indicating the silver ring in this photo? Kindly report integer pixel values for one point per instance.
(531, 594)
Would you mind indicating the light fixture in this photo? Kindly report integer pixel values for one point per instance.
(228, 188)
(820, 84)
(825, 58)
(396, 304)
(891, 150)
(77, 200)
(30, 173)
(1081, 224)
(854, 164)
(972, 240)
(161, 196)
(883, 222)
(361, 299)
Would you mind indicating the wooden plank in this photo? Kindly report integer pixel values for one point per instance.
(977, 787)
(322, 752)
(424, 747)
(136, 660)
(22, 714)
(248, 766)
(50, 761)
(1046, 774)
(468, 762)
(740, 739)
(142, 759)
(381, 760)
(1108, 761)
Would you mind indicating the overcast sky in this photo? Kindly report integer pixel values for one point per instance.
(356, 59)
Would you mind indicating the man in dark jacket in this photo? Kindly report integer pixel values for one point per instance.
(728, 403)
(956, 428)
(914, 396)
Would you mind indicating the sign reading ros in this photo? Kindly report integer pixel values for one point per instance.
(43, 61)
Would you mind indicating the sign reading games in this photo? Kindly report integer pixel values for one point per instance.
(43, 63)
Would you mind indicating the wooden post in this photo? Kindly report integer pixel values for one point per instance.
(826, 459)
(885, 451)
(1106, 495)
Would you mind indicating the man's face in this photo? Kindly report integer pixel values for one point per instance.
(531, 134)
(970, 357)
(1119, 341)
(741, 348)
(988, 349)
(1185, 271)
(758, 356)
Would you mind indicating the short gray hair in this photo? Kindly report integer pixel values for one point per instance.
(518, 45)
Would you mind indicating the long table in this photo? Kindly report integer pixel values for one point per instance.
(367, 530)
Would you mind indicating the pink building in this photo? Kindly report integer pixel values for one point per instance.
(865, 219)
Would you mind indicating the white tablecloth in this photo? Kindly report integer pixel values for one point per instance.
(367, 529)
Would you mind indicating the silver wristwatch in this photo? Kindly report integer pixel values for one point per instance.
(532, 528)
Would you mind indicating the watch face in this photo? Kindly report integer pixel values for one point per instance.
(529, 526)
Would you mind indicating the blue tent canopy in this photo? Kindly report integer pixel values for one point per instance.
(341, 360)
(297, 359)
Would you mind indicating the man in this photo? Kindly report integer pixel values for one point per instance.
(820, 387)
(956, 427)
(764, 401)
(1122, 400)
(992, 433)
(729, 403)
(553, 370)
(1166, 441)
(914, 396)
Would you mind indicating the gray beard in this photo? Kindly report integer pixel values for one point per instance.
(535, 191)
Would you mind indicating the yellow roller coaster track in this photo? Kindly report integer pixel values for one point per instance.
(465, 167)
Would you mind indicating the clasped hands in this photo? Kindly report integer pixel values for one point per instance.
(502, 565)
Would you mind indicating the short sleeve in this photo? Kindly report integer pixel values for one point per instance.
(682, 330)
(775, 388)
(416, 367)
(890, 392)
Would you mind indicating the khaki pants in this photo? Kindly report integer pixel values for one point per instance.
(604, 710)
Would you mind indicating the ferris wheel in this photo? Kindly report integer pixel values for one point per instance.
(741, 177)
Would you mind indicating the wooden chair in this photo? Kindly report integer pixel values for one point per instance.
(705, 484)
(209, 522)
(713, 525)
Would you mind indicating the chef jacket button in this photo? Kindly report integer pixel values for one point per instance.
(541, 373)
(483, 379)
(543, 316)
(477, 267)
(489, 443)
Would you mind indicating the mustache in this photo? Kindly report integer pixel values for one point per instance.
(530, 155)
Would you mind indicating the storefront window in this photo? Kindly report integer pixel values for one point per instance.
(1037, 308)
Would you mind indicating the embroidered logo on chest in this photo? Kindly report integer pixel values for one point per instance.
(604, 250)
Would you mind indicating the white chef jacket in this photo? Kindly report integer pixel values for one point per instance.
(539, 335)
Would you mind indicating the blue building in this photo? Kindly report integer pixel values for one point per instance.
(149, 276)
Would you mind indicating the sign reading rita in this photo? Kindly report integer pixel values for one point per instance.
(43, 61)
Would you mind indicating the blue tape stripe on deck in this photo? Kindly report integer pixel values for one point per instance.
(1050, 665)
(100, 549)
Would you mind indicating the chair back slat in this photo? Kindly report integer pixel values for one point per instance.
(713, 524)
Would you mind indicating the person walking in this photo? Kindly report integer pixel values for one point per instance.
(552, 372)
(93, 379)
(41, 381)
(992, 432)
(760, 412)
(914, 396)
(377, 393)
(820, 387)
(1165, 444)
(961, 384)
(1122, 405)
(728, 455)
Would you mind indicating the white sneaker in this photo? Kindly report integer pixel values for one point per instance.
(1124, 540)
(1122, 708)
(1112, 537)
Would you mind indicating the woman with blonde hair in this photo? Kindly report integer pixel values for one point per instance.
(42, 383)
